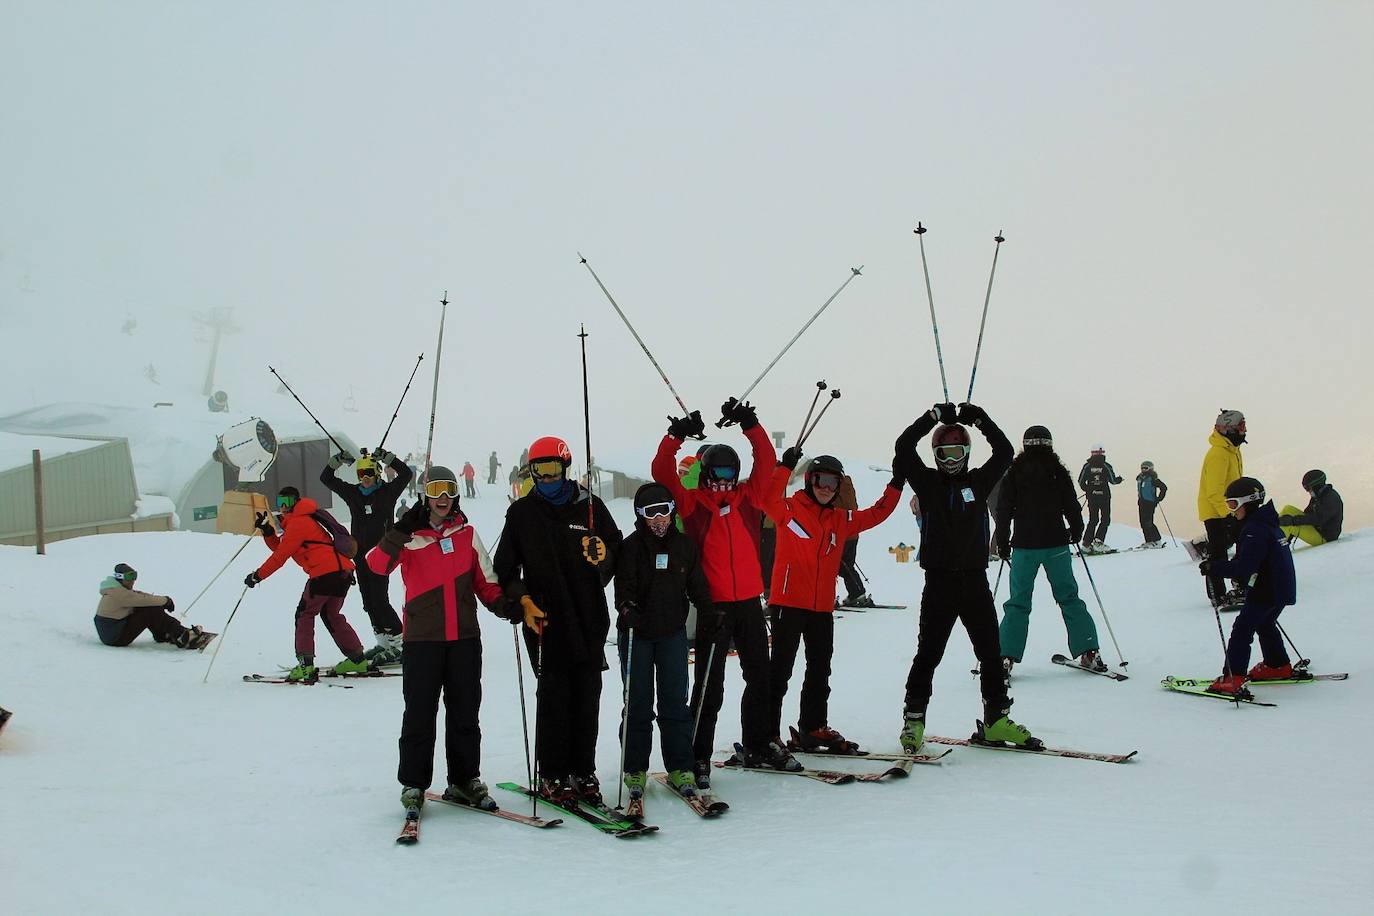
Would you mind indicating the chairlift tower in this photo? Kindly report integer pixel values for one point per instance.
(220, 322)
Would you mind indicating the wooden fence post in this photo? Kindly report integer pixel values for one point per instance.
(38, 501)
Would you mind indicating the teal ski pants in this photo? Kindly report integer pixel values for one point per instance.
(1058, 563)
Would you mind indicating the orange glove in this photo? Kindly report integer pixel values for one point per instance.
(534, 617)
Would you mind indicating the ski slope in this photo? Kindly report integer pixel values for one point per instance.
(128, 786)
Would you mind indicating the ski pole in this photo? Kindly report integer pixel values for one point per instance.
(222, 634)
(701, 699)
(1302, 661)
(1000, 566)
(330, 436)
(934, 325)
(401, 401)
(820, 387)
(1225, 657)
(982, 324)
(1103, 610)
(434, 399)
(524, 716)
(587, 427)
(538, 672)
(1167, 525)
(625, 713)
(834, 396)
(639, 340)
(853, 272)
(186, 610)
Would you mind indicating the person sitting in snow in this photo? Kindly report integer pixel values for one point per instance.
(125, 612)
(1322, 519)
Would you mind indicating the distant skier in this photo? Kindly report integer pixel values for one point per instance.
(371, 507)
(492, 466)
(1150, 492)
(1262, 558)
(124, 613)
(1222, 464)
(954, 555)
(469, 478)
(855, 595)
(1038, 502)
(1096, 480)
(1321, 521)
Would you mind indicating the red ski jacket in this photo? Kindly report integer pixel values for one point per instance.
(305, 541)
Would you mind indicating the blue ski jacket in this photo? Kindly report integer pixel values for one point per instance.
(1263, 560)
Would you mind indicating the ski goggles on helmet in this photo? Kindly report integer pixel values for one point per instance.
(129, 576)
(367, 472)
(720, 472)
(825, 480)
(285, 501)
(437, 488)
(951, 454)
(547, 468)
(656, 510)
(1235, 502)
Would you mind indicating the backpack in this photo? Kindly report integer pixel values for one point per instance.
(343, 543)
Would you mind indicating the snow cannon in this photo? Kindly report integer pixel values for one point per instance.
(251, 447)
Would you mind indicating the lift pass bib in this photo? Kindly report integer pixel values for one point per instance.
(725, 509)
(446, 545)
(367, 510)
(968, 494)
(660, 561)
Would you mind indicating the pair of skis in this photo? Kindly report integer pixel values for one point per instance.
(1061, 659)
(901, 768)
(1199, 687)
(702, 804)
(330, 673)
(602, 817)
(410, 830)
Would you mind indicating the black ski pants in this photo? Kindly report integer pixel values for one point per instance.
(743, 623)
(567, 717)
(768, 549)
(792, 626)
(469, 485)
(1221, 536)
(657, 663)
(1099, 517)
(153, 618)
(376, 595)
(849, 570)
(429, 669)
(961, 595)
(1147, 521)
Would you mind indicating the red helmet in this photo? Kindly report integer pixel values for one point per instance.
(550, 447)
(951, 444)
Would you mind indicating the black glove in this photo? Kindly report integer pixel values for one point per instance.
(512, 612)
(1205, 567)
(741, 412)
(790, 458)
(252, 579)
(630, 615)
(971, 414)
(169, 605)
(414, 518)
(946, 413)
(688, 426)
(897, 482)
(263, 524)
(1076, 535)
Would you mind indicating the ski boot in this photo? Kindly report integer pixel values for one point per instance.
(588, 789)
(1007, 665)
(997, 728)
(1092, 660)
(864, 600)
(823, 740)
(472, 793)
(1230, 685)
(305, 671)
(683, 782)
(1263, 672)
(412, 799)
(702, 771)
(913, 734)
(635, 782)
(359, 665)
(386, 652)
(772, 756)
(559, 790)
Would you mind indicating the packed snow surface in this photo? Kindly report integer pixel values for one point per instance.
(129, 786)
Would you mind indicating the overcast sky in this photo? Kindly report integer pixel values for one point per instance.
(1184, 190)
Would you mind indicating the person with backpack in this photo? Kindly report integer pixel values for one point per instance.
(1096, 480)
(313, 539)
(813, 529)
(1321, 521)
(1038, 504)
(446, 571)
(1222, 464)
(1150, 492)
(470, 478)
(954, 556)
(124, 613)
(555, 558)
(371, 506)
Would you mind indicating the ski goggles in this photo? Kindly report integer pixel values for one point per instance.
(656, 510)
(437, 488)
(129, 576)
(367, 472)
(285, 502)
(1235, 503)
(950, 454)
(721, 472)
(825, 481)
(547, 468)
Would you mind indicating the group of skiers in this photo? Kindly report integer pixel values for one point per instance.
(1096, 480)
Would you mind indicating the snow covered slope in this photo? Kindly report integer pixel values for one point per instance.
(127, 785)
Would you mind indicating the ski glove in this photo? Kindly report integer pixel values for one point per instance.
(534, 617)
(339, 460)
(414, 518)
(741, 412)
(261, 523)
(791, 457)
(594, 550)
(169, 605)
(630, 615)
(1205, 567)
(382, 456)
(688, 427)
(252, 579)
(971, 415)
(945, 413)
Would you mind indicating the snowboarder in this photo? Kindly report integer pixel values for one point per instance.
(812, 530)
(1150, 492)
(1096, 480)
(446, 572)
(1038, 502)
(954, 556)
(371, 506)
(469, 479)
(1322, 519)
(723, 514)
(492, 466)
(125, 612)
(555, 557)
(1222, 464)
(1264, 560)
(657, 571)
(329, 576)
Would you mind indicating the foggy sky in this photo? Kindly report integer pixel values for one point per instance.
(1183, 189)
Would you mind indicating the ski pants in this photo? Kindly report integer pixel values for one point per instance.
(717, 626)
(568, 707)
(1147, 522)
(469, 484)
(849, 571)
(1099, 518)
(453, 670)
(153, 618)
(790, 627)
(1221, 534)
(1308, 534)
(1058, 564)
(376, 594)
(962, 595)
(491, 475)
(656, 663)
(1260, 620)
(768, 549)
(324, 598)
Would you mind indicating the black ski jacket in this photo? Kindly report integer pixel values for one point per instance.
(370, 513)
(659, 575)
(1037, 495)
(1325, 512)
(540, 555)
(1095, 477)
(954, 509)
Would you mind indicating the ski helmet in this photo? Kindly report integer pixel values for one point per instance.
(651, 499)
(720, 467)
(1100, 449)
(366, 463)
(439, 475)
(685, 465)
(549, 448)
(125, 573)
(1313, 480)
(1230, 421)
(1147, 465)
(823, 464)
(951, 444)
(1243, 490)
(1036, 436)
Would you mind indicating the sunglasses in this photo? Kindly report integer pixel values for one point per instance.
(437, 488)
(825, 481)
(285, 502)
(656, 510)
(547, 468)
(951, 453)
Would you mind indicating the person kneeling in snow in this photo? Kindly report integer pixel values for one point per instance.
(124, 612)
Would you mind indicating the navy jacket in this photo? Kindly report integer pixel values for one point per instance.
(1263, 560)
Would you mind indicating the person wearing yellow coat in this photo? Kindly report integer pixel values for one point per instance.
(1221, 465)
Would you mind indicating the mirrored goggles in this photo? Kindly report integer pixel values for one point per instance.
(721, 472)
(656, 510)
(949, 454)
(285, 502)
(1236, 503)
(547, 468)
(126, 577)
(437, 488)
(825, 481)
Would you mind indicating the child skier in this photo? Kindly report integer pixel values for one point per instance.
(124, 613)
(657, 571)
(1264, 561)
(1150, 492)
(812, 531)
(1096, 480)
(1321, 521)
(954, 555)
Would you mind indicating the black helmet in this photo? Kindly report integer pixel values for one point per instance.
(125, 573)
(1244, 490)
(1313, 480)
(719, 465)
(822, 464)
(1036, 436)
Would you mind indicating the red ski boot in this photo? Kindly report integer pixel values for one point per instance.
(1232, 685)
(1263, 672)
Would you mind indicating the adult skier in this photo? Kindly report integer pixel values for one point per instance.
(1096, 480)
(371, 507)
(446, 572)
(555, 557)
(724, 516)
(1322, 519)
(657, 572)
(1221, 465)
(1150, 492)
(1037, 521)
(329, 575)
(954, 556)
(812, 531)
(470, 478)
(124, 612)
(1263, 559)
(492, 465)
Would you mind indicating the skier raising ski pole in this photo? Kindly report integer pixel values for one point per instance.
(397, 411)
(921, 231)
(978, 350)
(434, 399)
(330, 436)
